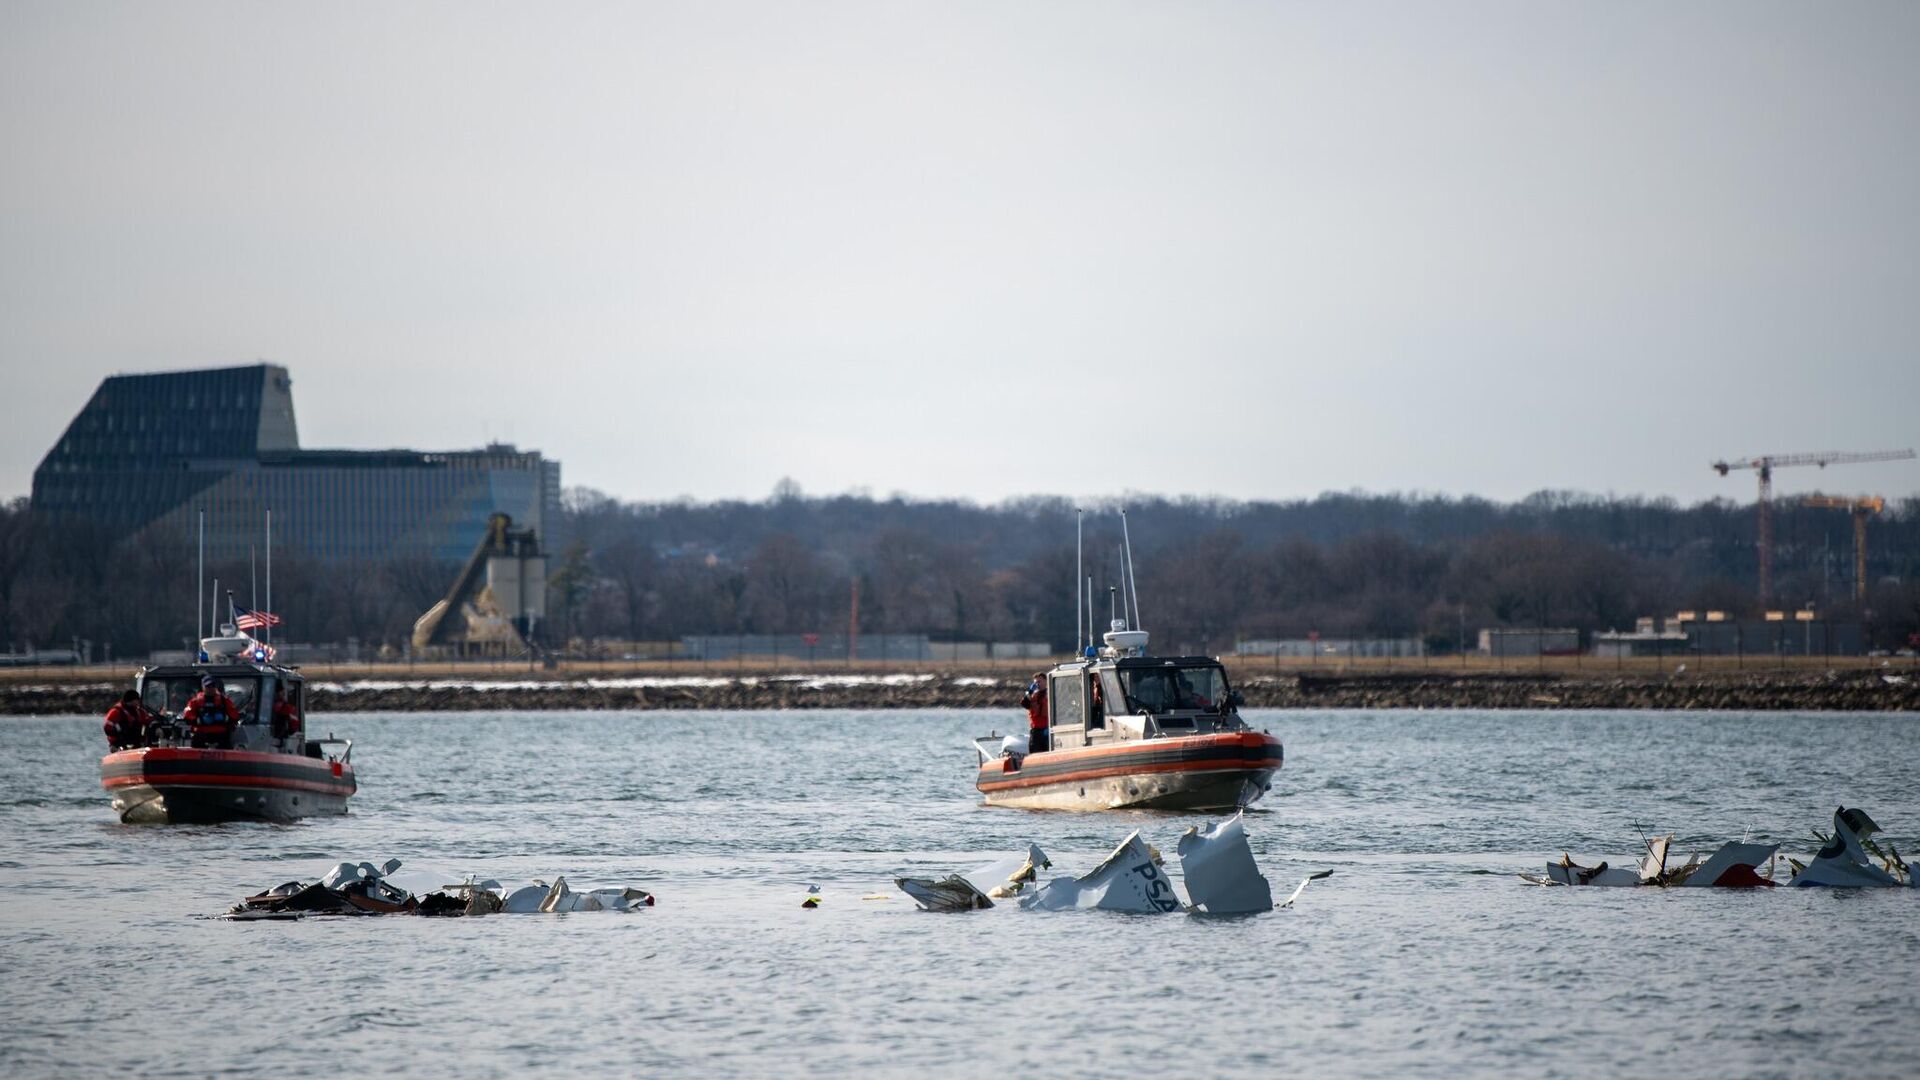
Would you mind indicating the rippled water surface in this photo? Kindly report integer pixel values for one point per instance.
(1423, 954)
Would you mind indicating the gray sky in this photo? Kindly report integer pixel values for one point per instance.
(1252, 249)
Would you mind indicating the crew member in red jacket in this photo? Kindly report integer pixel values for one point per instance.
(286, 719)
(126, 723)
(1035, 702)
(211, 714)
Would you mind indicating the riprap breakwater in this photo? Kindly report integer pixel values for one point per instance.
(1849, 691)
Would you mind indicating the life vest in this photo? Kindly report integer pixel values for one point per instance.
(123, 725)
(1036, 702)
(210, 715)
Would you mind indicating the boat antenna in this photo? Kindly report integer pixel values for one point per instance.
(253, 574)
(1079, 526)
(1112, 600)
(213, 610)
(268, 629)
(1126, 545)
(1089, 612)
(200, 587)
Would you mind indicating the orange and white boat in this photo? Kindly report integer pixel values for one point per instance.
(1124, 730)
(262, 775)
(1172, 740)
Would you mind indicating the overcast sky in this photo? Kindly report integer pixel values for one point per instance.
(1260, 250)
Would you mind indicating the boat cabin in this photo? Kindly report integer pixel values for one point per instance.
(1114, 699)
(251, 683)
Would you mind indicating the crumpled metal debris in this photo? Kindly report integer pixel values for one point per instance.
(362, 889)
(1221, 876)
(1846, 860)
(1216, 860)
(1736, 865)
(977, 888)
(1843, 860)
(951, 893)
(1130, 879)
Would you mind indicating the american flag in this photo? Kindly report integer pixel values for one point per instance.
(254, 620)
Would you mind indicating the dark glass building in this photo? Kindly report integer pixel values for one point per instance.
(150, 451)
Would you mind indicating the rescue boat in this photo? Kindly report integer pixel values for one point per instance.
(1130, 731)
(263, 776)
(1125, 730)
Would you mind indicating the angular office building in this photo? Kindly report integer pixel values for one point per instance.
(149, 452)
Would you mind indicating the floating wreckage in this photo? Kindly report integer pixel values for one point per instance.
(363, 889)
(979, 887)
(1735, 866)
(1220, 872)
(1217, 863)
(1843, 862)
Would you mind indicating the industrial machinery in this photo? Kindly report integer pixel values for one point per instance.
(1765, 464)
(496, 600)
(1863, 508)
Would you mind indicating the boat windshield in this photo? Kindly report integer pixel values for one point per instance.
(1165, 689)
(168, 695)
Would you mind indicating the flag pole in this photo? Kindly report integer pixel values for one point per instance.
(200, 587)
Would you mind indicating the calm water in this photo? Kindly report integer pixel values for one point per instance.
(1422, 955)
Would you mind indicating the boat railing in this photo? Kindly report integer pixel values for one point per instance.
(346, 756)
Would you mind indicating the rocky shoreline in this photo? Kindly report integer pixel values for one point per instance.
(1853, 691)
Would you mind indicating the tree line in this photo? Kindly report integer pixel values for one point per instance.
(1210, 571)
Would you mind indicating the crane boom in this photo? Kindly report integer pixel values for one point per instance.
(1821, 458)
(1765, 464)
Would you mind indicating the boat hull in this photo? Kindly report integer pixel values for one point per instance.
(1199, 773)
(166, 785)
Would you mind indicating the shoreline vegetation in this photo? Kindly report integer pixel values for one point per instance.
(1748, 684)
(634, 579)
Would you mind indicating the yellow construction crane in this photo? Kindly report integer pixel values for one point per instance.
(1863, 508)
(1765, 464)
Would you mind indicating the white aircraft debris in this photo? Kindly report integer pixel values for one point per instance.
(1847, 859)
(1302, 887)
(1734, 866)
(1843, 860)
(1006, 877)
(977, 888)
(1568, 872)
(364, 889)
(1130, 879)
(952, 893)
(1222, 878)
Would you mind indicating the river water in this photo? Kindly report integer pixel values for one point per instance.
(1422, 955)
